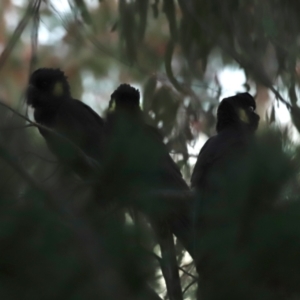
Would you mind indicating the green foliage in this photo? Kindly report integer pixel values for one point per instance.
(57, 242)
(249, 242)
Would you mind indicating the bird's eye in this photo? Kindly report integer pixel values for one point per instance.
(251, 109)
(42, 83)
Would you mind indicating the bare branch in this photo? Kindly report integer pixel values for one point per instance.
(17, 33)
(89, 243)
(189, 285)
(188, 273)
(34, 35)
(160, 261)
(168, 66)
(89, 162)
(51, 174)
(16, 128)
(13, 162)
(40, 157)
(251, 64)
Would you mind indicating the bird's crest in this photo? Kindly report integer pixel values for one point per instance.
(52, 80)
(125, 97)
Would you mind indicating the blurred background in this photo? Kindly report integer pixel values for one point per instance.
(102, 43)
(184, 56)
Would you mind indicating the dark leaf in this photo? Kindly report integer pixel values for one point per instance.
(272, 116)
(128, 29)
(149, 90)
(169, 10)
(142, 8)
(114, 27)
(82, 7)
(295, 113)
(155, 9)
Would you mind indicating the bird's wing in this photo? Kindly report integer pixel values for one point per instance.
(177, 210)
(170, 169)
(216, 149)
(82, 125)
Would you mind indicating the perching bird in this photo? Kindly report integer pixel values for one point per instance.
(142, 164)
(236, 124)
(143, 159)
(219, 165)
(49, 94)
(124, 107)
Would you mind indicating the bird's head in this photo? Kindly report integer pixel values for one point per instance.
(125, 98)
(239, 112)
(47, 87)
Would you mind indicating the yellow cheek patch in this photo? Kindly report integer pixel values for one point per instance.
(58, 89)
(112, 107)
(243, 116)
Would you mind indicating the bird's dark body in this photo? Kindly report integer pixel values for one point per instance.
(77, 122)
(232, 138)
(218, 151)
(143, 143)
(49, 94)
(145, 167)
(218, 167)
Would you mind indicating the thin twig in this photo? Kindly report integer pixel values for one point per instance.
(86, 238)
(16, 128)
(187, 7)
(51, 174)
(34, 35)
(97, 44)
(168, 67)
(187, 273)
(40, 157)
(13, 162)
(17, 33)
(158, 258)
(189, 285)
(18, 114)
(90, 162)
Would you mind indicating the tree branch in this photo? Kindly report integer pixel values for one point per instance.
(251, 64)
(18, 31)
(89, 162)
(189, 285)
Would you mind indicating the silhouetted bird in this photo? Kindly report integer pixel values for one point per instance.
(140, 154)
(219, 165)
(49, 94)
(236, 123)
(141, 164)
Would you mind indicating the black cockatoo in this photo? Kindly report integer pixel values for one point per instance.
(49, 94)
(215, 179)
(141, 164)
(236, 124)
